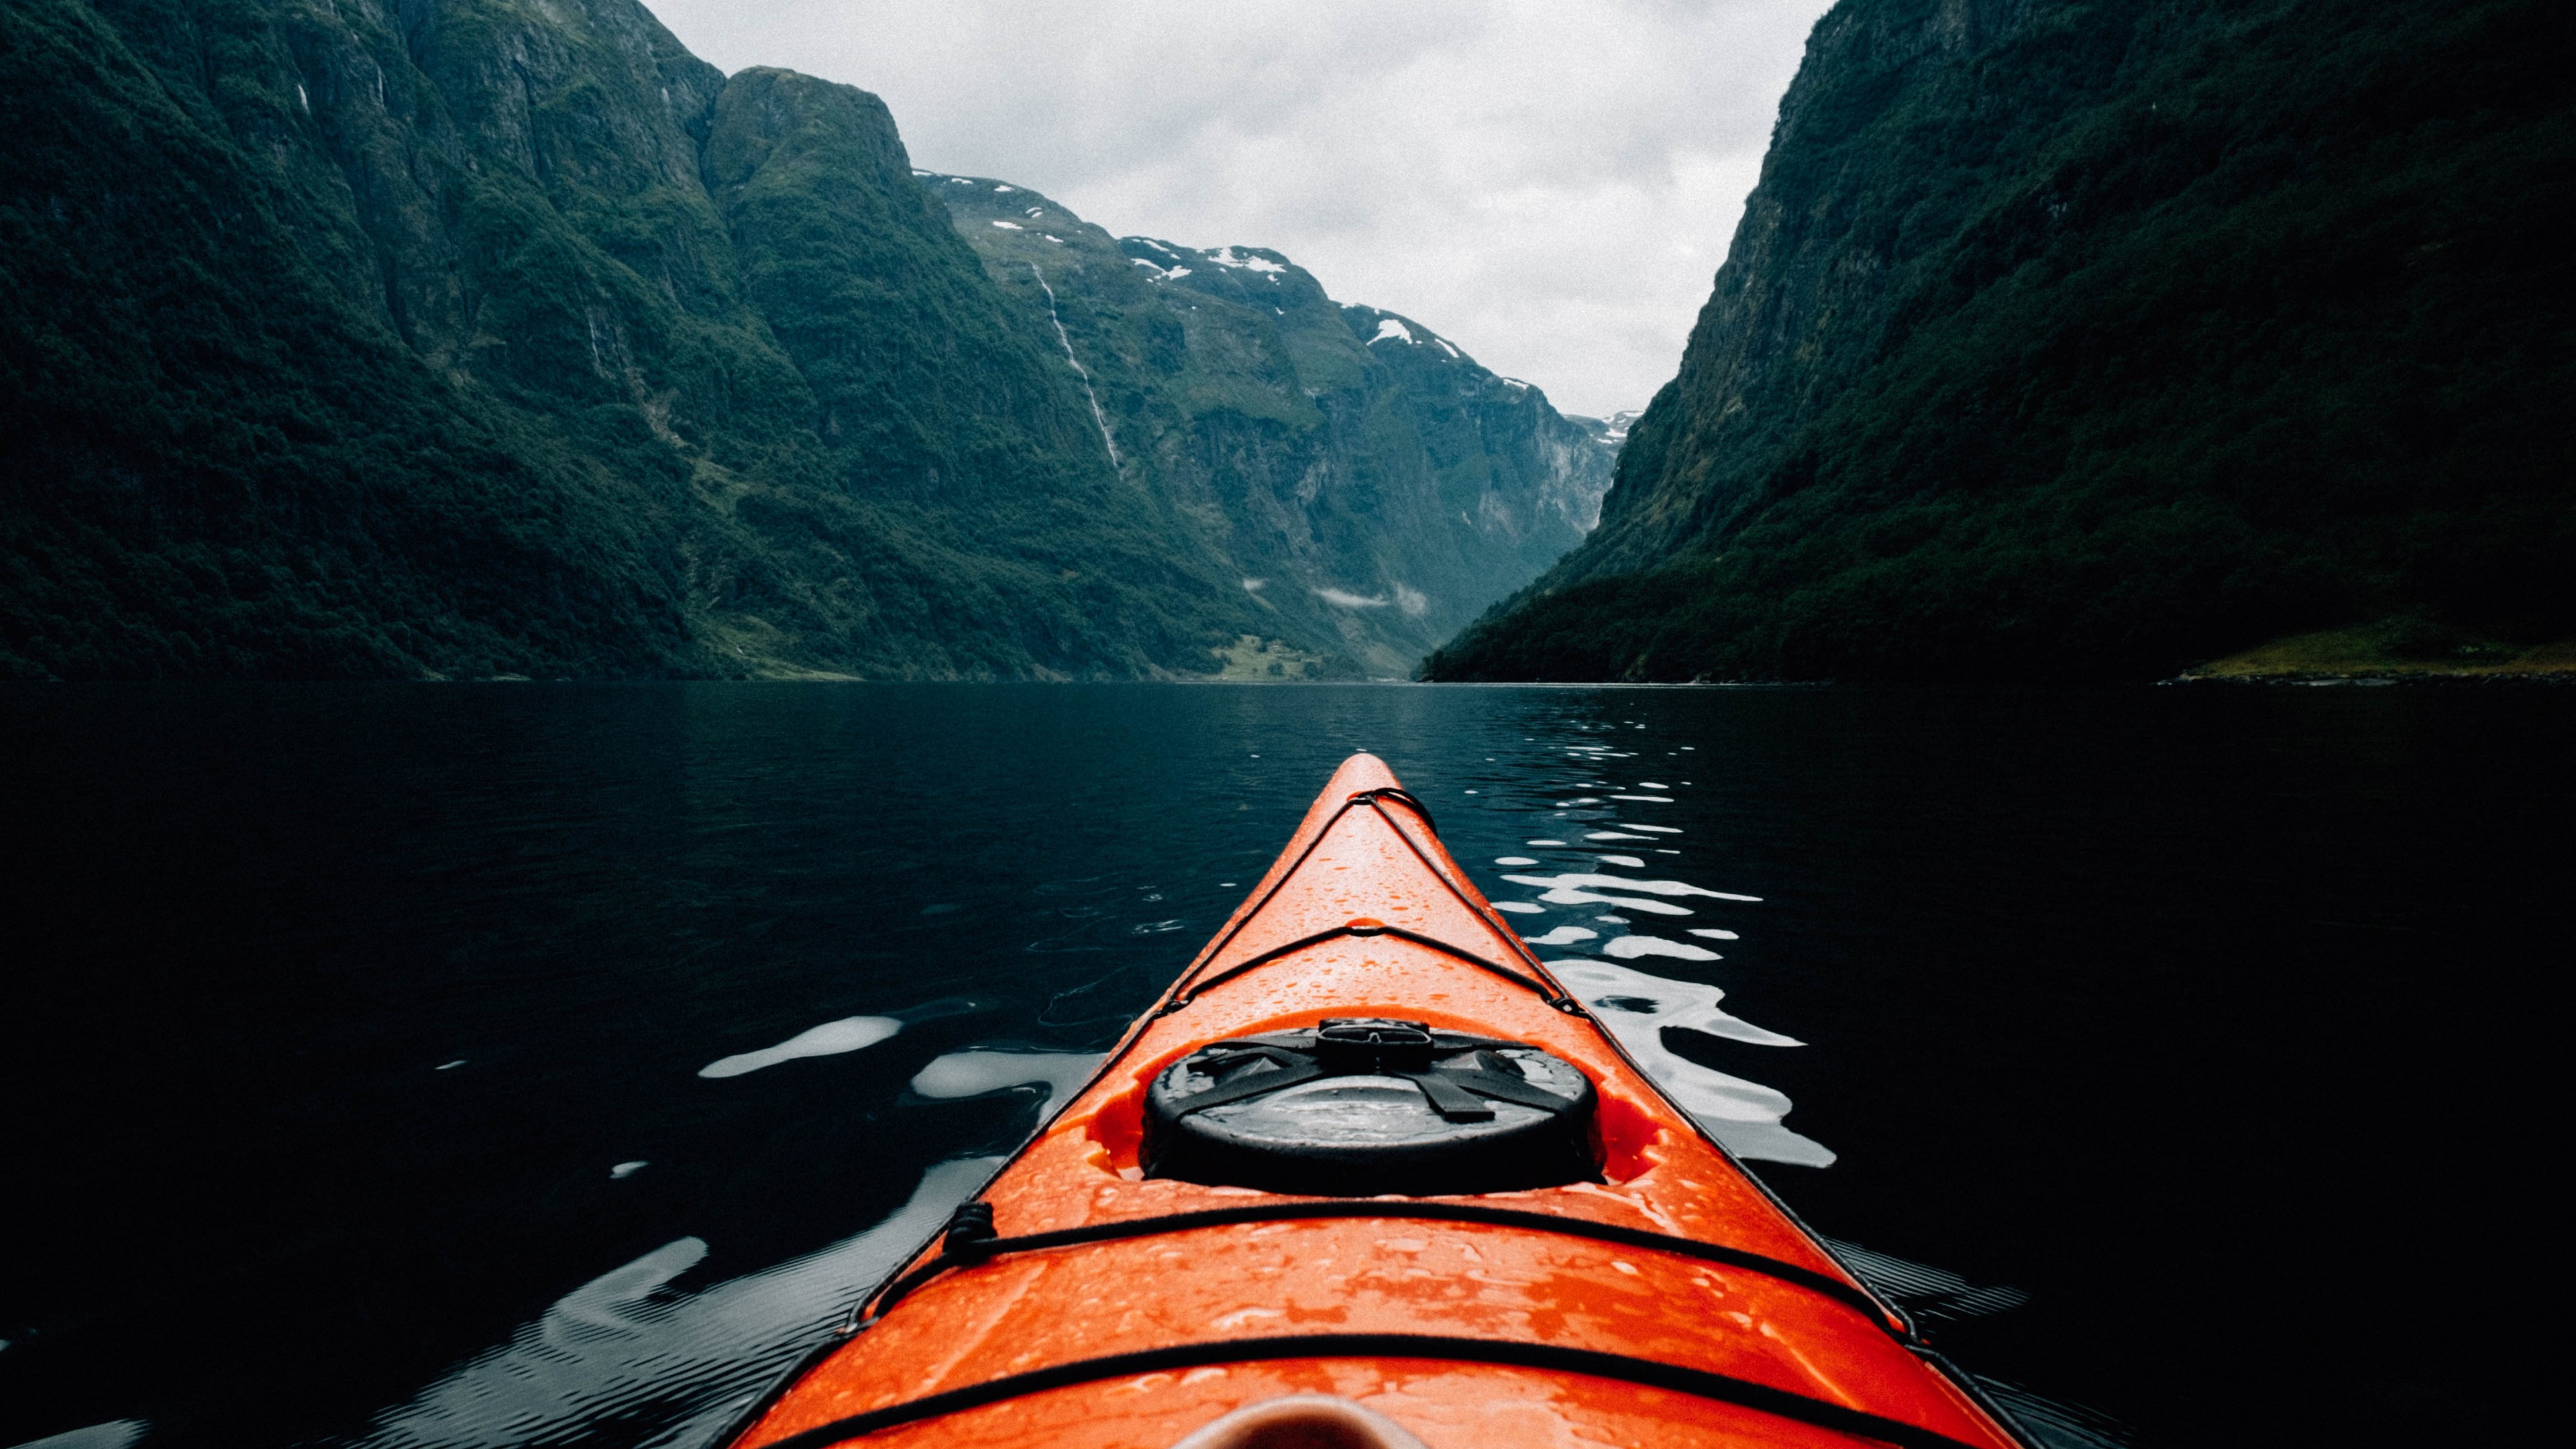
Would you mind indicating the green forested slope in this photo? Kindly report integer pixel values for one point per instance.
(1370, 485)
(348, 338)
(212, 463)
(2096, 337)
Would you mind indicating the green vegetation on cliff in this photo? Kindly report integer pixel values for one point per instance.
(462, 338)
(2098, 337)
(466, 337)
(212, 463)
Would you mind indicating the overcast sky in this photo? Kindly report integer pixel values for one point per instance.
(1548, 183)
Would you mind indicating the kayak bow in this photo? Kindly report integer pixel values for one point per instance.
(1369, 1175)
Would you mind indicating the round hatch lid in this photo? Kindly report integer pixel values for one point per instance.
(1355, 1107)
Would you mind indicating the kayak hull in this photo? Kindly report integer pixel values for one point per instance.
(1601, 1318)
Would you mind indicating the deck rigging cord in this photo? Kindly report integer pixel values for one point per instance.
(970, 1241)
(1512, 1353)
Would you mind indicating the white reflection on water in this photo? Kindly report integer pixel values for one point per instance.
(1632, 946)
(1564, 936)
(849, 1034)
(1587, 898)
(114, 1434)
(1637, 1007)
(675, 1366)
(973, 1073)
(1627, 883)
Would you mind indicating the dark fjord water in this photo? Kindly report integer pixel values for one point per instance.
(544, 1064)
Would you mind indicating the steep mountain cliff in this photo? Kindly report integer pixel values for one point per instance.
(2094, 337)
(1370, 486)
(471, 337)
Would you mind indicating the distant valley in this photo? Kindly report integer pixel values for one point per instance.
(1370, 480)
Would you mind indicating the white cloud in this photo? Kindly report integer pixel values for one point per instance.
(1344, 598)
(1551, 183)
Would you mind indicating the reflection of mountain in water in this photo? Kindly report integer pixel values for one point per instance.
(1927, 1294)
(1932, 1295)
(2054, 1424)
(627, 1357)
(665, 1367)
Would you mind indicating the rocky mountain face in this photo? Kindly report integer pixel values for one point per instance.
(478, 337)
(2094, 337)
(1369, 486)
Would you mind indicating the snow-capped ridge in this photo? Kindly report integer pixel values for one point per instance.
(1250, 259)
(1241, 347)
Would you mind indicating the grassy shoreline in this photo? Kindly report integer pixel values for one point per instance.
(2393, 651)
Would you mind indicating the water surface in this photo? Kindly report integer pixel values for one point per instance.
(542, 1064)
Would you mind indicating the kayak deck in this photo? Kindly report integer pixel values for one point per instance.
(1673, 1301)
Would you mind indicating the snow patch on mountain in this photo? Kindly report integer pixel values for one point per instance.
(1246, 260)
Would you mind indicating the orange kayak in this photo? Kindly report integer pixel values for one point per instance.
(1368, 1175)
